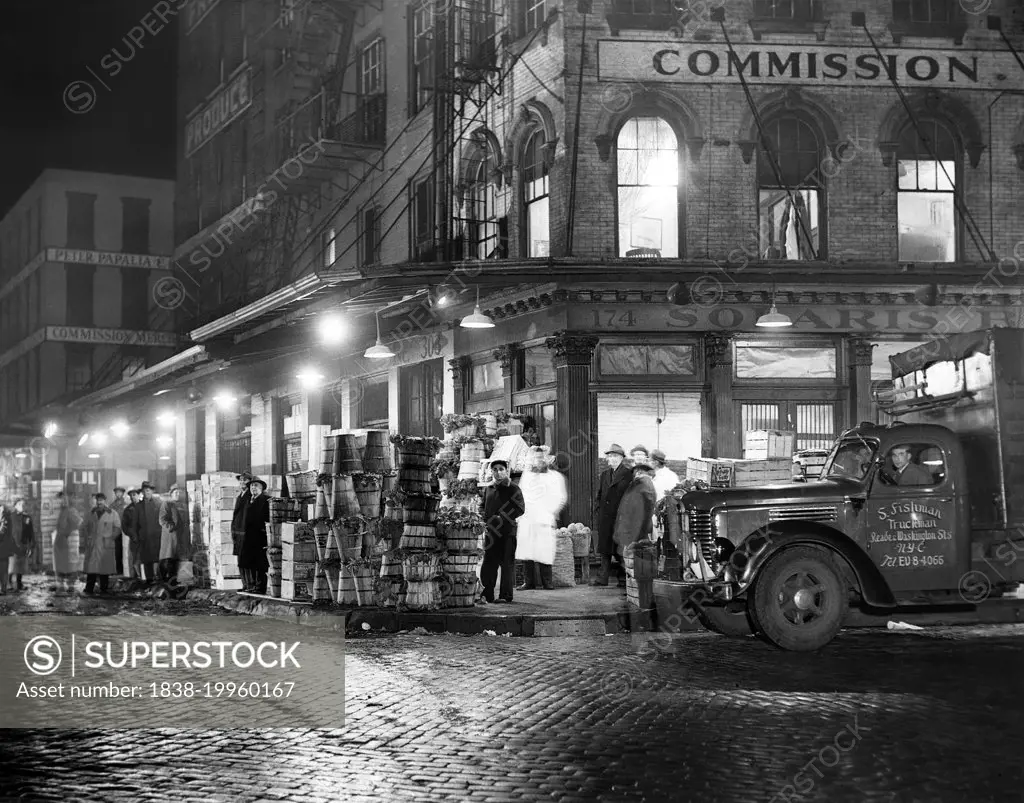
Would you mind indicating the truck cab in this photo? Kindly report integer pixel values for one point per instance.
(915, 512)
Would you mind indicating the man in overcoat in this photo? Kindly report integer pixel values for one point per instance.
(129, 529)
(503, 504)
(102, 529)
(237, 526)
(635, 518)
(252, 554)
(147, 526)
(173, 535)
(118, 506)
(614, 481)
(24, 544)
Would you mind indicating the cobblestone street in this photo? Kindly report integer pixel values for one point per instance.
(880, 716)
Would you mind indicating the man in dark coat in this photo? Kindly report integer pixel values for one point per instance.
(174, 535)
(614, 481)
(147, 525)
(635, 519)
(252, 554)
(130, 530)
(503, 504)
(118, 506)
(236, 517)
(24, 544)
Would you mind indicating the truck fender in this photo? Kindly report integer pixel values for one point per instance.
(873, 588)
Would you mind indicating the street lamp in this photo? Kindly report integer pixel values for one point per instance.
(165, 418)
(332, 329)
(477, 320)
(50, 430)
(120, 429)
(224, 400)
(309, 378)
(99, 438)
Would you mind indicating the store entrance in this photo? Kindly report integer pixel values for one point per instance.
(815, 422)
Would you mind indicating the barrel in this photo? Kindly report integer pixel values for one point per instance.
(462, 540)
(337, 455)
(422, 596)
(327, 454)
(378, 454)
(351, 461)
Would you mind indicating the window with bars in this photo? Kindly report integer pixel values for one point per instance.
(421, 55)
(813, 422)
(536, 198)
(796, 10)
(648, 165)
(791, 201)
(371, 68)
(422, 399)
(927, 180)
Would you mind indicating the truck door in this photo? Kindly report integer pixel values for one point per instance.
(911, 522)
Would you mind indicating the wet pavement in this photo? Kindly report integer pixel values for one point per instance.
(923, 715)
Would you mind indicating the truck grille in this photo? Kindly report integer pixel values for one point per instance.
(702, 530)
(803, 513)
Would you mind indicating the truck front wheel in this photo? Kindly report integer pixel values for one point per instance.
(798, 601)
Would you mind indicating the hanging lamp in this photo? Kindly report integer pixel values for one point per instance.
(773, 319)
(378, 351)
(477, 320)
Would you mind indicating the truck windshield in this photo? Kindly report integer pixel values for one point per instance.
(851, 459)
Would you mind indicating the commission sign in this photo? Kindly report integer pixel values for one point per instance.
(782, 65)
(119, 337)
(229, 102)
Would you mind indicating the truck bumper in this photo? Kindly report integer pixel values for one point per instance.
(698, 592)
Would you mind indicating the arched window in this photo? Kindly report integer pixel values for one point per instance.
(482, 203)
(791, 191)
(648, 164)
(927, 164)
(536, 206)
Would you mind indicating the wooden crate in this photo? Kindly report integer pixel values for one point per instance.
(731, 473)
(762, 444)
(297, 591)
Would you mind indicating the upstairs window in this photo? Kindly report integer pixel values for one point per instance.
(791, 200)
(534, 14)
(536, 198)
(371, 69)
(922, 11)
(422, 217)
(328, 246)
(369, 235)
(927, 168)
(796, 10)
(421, 41)
(934, 18)
(647, 156)
(482, 202)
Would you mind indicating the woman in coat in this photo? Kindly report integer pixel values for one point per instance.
(544, 495)
(102, 529)
(252, 554)
(24, 544)
(65, 563)
(173, 535)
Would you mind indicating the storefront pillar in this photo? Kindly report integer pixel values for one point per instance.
(506, 356)
(575, 425)
(727, 441)
(862, 405)
(460, 368)
(212, 441)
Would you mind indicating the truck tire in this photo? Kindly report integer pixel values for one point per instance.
(724, 621)
(799, 600)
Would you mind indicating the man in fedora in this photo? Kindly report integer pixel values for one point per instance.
(252, 551)
(635, 516)
(118, 506)
(614, 481)
(236, 517)
(129, 528)
(173, 535)
(148, 530)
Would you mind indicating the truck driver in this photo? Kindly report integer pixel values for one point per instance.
(907, 472)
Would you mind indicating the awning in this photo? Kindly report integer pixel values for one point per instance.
(182, 364)
(954, 347)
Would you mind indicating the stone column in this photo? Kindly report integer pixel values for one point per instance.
(506, 355)
(726, 441)
(862, 405)
(460, 368)
(575, 418)
(212, 442)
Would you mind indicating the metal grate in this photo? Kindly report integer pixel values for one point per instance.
(702, 530)
(815, 426)
(759, 416)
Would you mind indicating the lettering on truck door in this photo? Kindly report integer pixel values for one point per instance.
(912, 523)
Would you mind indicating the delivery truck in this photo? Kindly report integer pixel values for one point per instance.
(927, 509)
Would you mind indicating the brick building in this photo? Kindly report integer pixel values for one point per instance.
(625, 186)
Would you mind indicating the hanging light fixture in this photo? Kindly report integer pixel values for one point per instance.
(477, 320)
(378, 351)
(773, 319)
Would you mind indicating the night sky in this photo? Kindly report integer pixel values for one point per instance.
(45, 45)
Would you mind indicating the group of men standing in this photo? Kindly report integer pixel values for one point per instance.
(156, 532)
(626, 498)
(17, 542)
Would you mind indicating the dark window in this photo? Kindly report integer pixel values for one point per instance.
(536, 200)
(81, 220)
(923, 11)
(791, 191)
(423, 220)
(926, 209)
(801, 10)
(80, 280)
(421, 52)
(539, 424)
(135, 225)
(422, 399)
(483, 228)
(134, 298)
(475, 33)
(647, 156)
(534, 14)
(78, 366)
(369, 235)
(538, 368)
(373, 404)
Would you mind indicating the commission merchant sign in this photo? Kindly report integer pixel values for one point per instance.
(229, 102)
(781, 65)
(117, 337)
(79, 256)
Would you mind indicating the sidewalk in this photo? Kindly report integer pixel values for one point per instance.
(577, 611)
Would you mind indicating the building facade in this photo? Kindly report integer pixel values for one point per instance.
(625, 186)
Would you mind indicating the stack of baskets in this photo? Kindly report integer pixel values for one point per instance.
(415, 504)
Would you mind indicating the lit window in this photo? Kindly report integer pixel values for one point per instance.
(790, 192)
(535, 196)
(927, 182)
(329, 239)
(647, 154)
